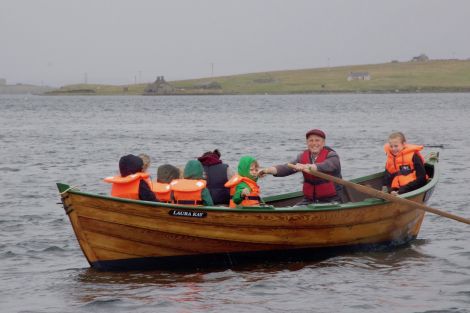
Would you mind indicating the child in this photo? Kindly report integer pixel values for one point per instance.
(217, 174)
(146, 160)
(243, 187)
(166, 173)
(191, 189)
(404, 169)
(133, 183)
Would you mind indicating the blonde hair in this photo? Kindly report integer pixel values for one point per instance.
(397, 135)
(181, 170)
(146, 159)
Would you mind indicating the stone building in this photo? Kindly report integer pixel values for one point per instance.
(359, 76)
(420, 58)
(159, 87)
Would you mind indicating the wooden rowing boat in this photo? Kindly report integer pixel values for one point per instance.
(116, 233)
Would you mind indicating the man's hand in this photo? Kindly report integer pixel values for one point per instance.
(262, 172)
(268, 170)
(299, 167)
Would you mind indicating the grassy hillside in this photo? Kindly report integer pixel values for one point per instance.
(430, 76)
(94, 89)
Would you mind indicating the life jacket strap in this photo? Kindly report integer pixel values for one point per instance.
(399, 173)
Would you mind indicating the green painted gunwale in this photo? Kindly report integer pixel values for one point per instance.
(269, 208)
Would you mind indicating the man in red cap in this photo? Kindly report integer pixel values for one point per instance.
(317, 157)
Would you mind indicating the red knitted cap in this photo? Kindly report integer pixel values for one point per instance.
(316, 132)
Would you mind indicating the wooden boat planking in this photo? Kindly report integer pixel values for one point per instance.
(112, 231)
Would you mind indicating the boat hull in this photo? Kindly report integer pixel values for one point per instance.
(112, 232)
(117, 233)
(228, 260)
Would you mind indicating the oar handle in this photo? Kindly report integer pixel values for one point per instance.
(383, 195)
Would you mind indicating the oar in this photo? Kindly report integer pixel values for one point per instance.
(383, 195)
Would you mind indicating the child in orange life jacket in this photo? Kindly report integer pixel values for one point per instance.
(243, 187)
(404, 169)
(166, 173)
(133, 183)
(191, 190)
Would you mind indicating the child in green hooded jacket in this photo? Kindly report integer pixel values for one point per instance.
(193, 175)
(243, 187)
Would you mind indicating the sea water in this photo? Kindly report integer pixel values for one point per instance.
(78, 140)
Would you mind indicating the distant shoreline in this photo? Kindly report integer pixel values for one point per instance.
(332, 92)
(256, 94)
(21, 89)
(434, 76)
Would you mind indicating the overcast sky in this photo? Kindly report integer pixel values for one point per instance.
(58, 42)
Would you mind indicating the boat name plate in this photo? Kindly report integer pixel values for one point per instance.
(187, 213)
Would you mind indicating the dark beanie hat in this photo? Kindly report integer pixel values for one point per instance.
(130, 164)
(215, 153)
(210, 158)
(167, 172)
(316, 132)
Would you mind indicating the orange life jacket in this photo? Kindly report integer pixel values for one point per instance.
(162, 191)
(402, 164)
(188, 191)
(127, 187)
(252, 199)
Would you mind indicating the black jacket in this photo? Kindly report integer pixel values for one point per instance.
(216, 176)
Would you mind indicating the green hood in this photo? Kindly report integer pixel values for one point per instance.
(193, 170)
(244, 167)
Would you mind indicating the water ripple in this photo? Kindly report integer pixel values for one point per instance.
(75, 140)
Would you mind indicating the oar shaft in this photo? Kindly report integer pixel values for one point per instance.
(386, 196)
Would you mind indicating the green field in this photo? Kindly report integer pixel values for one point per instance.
(430, 76)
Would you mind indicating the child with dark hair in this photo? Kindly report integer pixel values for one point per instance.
(217, 174)
(133, 183)
(166, 173)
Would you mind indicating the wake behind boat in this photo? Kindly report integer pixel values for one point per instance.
(116, 233)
